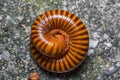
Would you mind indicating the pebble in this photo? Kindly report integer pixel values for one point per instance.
(90, 51)
(99, 77)
(118, 64)
(28, 57)
(20, 17)
(0, 17)
(118, 4)
(51, 1)
(73, 7)
(4, 9)
(5, 55)
(0, 57)
(118, 55)
(95, 35)
(8, 17)
(2, 46)
(119, 35)
(110, 70)
(108, 44)
(93, 43)
(65, 3)
(105, 36)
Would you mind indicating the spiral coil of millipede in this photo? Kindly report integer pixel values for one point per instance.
(59, 41)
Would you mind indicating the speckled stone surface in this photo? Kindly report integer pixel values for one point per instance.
(102, 18)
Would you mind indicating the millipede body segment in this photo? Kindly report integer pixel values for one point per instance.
(59, 41)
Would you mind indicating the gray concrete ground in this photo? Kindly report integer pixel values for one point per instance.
(101, 17)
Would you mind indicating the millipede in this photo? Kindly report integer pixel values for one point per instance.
(59, 41)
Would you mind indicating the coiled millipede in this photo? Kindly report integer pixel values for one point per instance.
(59, 41)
